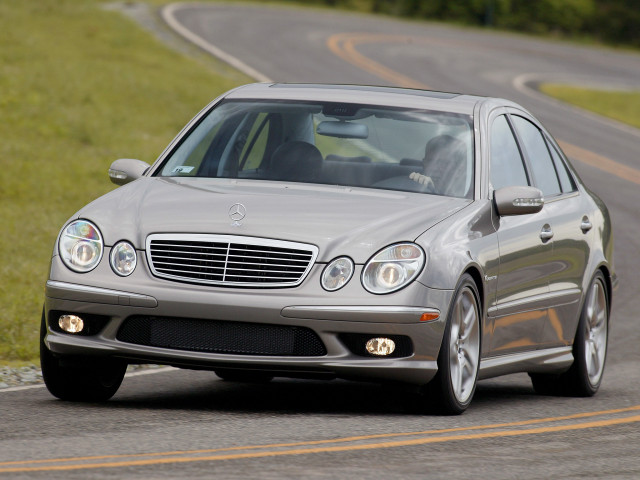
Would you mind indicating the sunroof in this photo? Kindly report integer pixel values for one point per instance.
(401, 91)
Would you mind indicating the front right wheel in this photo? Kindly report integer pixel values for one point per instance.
(452, 389)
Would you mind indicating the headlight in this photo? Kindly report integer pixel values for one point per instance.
(337, 274)
(80, 246)
(123, 258)
(392, 268)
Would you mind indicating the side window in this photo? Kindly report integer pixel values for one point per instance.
(544, 170)
(507, 169)
(566, 182)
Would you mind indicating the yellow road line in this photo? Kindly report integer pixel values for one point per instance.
(343, 448)
(270, 448)
(603, 163)
(344, 46)
(344, 439)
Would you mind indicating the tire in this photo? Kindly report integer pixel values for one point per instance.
(584, 377)
(451, 390)
(246, 376)
(79, 379)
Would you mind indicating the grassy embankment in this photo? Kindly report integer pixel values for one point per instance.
(79, 87)
(619, 105)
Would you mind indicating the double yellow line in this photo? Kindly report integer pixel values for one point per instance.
(346, 444)
(344, 46)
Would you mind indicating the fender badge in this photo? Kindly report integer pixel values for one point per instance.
(236, 213)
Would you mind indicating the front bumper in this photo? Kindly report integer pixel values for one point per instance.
(330, 315)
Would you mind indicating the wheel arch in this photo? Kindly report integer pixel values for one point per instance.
(606, 272)
(475, 274)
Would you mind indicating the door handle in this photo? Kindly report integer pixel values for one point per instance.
(546, 233)
(586, 225)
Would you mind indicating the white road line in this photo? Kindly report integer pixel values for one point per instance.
(150, 371)
(18, 389)
(519, 83)
(169, 17)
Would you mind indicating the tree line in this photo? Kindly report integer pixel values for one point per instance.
(610, 21)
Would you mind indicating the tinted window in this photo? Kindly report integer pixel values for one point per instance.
(566, 181)
(507, 168)
(365, 146)
(544, 171)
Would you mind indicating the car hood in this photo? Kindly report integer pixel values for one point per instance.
(338, 220)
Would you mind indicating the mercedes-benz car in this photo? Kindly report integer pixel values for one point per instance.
(326, 231)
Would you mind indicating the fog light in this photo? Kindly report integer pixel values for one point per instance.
(381, 346)
(71, 323)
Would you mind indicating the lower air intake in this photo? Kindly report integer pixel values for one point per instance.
(217, 336)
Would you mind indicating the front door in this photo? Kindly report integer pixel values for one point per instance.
(525, 247)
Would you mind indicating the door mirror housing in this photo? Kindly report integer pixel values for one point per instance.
(125, 170)
(518, 200)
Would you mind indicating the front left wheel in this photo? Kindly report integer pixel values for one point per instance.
(79, 379)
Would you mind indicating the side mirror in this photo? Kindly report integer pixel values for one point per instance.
(518, 200)
(127, 170)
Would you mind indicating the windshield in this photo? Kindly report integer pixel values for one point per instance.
(329, 143)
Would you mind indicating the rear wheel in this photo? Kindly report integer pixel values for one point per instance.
(79, 379)
(452, 389)
(589, 349)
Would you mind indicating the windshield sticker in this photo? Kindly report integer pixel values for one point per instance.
(182, 169)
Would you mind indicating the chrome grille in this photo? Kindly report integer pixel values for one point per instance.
(229, 260)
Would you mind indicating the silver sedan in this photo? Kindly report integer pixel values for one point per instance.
(327, 231)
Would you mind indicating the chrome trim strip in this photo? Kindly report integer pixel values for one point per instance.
(365, 308)
(534, 299)
(85, 293)
(229, 239)
(74, 287)
(539, 361)
(358, 313)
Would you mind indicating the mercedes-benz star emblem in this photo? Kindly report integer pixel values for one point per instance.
(236, 213)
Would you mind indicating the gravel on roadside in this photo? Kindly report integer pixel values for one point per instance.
(17, 377)
(32, 375)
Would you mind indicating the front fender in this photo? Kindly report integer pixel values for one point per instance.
(465, 240)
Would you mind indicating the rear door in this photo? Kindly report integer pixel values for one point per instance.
(569, 225)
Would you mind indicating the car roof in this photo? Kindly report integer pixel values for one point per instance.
(370, 95)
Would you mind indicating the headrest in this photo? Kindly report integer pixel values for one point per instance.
(296, 160)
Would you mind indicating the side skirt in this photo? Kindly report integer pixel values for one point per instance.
(551, 360)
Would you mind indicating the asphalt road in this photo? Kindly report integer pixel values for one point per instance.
(190, 424)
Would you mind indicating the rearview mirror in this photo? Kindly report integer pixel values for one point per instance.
(343, 129)
(518, 200)
(127, 170)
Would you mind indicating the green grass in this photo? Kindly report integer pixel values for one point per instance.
(623, 106)
(79, 87)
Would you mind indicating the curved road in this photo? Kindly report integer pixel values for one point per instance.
(181, 423)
